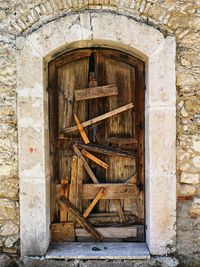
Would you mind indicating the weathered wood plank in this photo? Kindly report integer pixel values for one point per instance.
(62, 232)
(81, 220)
(115, 232)
(100, 118)
(81, 130)
(79, 193)
(65, 193)
(73, 184)
(112, 191)
(95, 159)
(86, 165)
(96, 92)
(106, 150)
(120, 210)
(94, 202)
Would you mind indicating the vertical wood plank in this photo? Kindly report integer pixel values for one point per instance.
(73, 184)
(64, 193)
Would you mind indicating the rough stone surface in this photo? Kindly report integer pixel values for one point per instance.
(178, 18)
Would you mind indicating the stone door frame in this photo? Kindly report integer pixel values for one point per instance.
(91, 29)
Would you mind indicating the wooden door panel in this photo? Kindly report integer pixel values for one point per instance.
(90, 68)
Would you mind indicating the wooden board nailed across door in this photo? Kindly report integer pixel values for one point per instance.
(96, 100)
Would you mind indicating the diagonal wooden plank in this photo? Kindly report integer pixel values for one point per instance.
(86, 165)
(95, 159)
(81, 220)
(99, 118)
(81, 130)
(94, 202)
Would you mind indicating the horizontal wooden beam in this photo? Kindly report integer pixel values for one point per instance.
(62, 232)
(115, 232)
(112, 191)
(96, 92)
(99, 118)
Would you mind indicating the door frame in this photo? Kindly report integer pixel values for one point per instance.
(158, 51)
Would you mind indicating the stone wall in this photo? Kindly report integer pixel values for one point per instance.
(180, 18)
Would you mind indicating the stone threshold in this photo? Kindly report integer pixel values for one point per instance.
(92, 250)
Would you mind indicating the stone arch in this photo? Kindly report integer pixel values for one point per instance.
(86, 30)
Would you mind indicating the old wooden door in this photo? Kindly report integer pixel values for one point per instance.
(90, 83)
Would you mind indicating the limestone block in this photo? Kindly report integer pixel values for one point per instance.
(11, 240)
(160, 148)
(31, 152)
(158, 202)
(8, 229)
(34, 210)
(186, 190)
(189, 178)
(8, 209)
(9, 188)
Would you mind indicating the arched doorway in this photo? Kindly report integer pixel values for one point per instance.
(99, 169)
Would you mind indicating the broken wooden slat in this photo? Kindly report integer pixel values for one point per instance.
(120, 210)
(81, 130)
(73, 184)
(100, 118)
(95, 159)
(65, 193)
(115, 232)
(94, 202)
(96, 92)
(62, 232)
(86, 165)
(81, 220)
(132, 180)
(106, 150)
(112, 191)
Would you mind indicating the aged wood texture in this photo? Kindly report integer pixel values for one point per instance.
(81, 130)
(119, 232)
(73, 184)
(79, 191)
(120, 210)
(95, 159)
(93, 203)
(86, 165)
(119, 139)
(96, 92)
(100, 118)
(62, 232)
(132, 180)
(106, 150)
(64, 192)
(81, 220)
(112, 191)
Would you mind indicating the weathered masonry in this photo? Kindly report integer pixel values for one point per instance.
(100, 125)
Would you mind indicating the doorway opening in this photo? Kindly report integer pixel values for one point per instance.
(96, 117)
